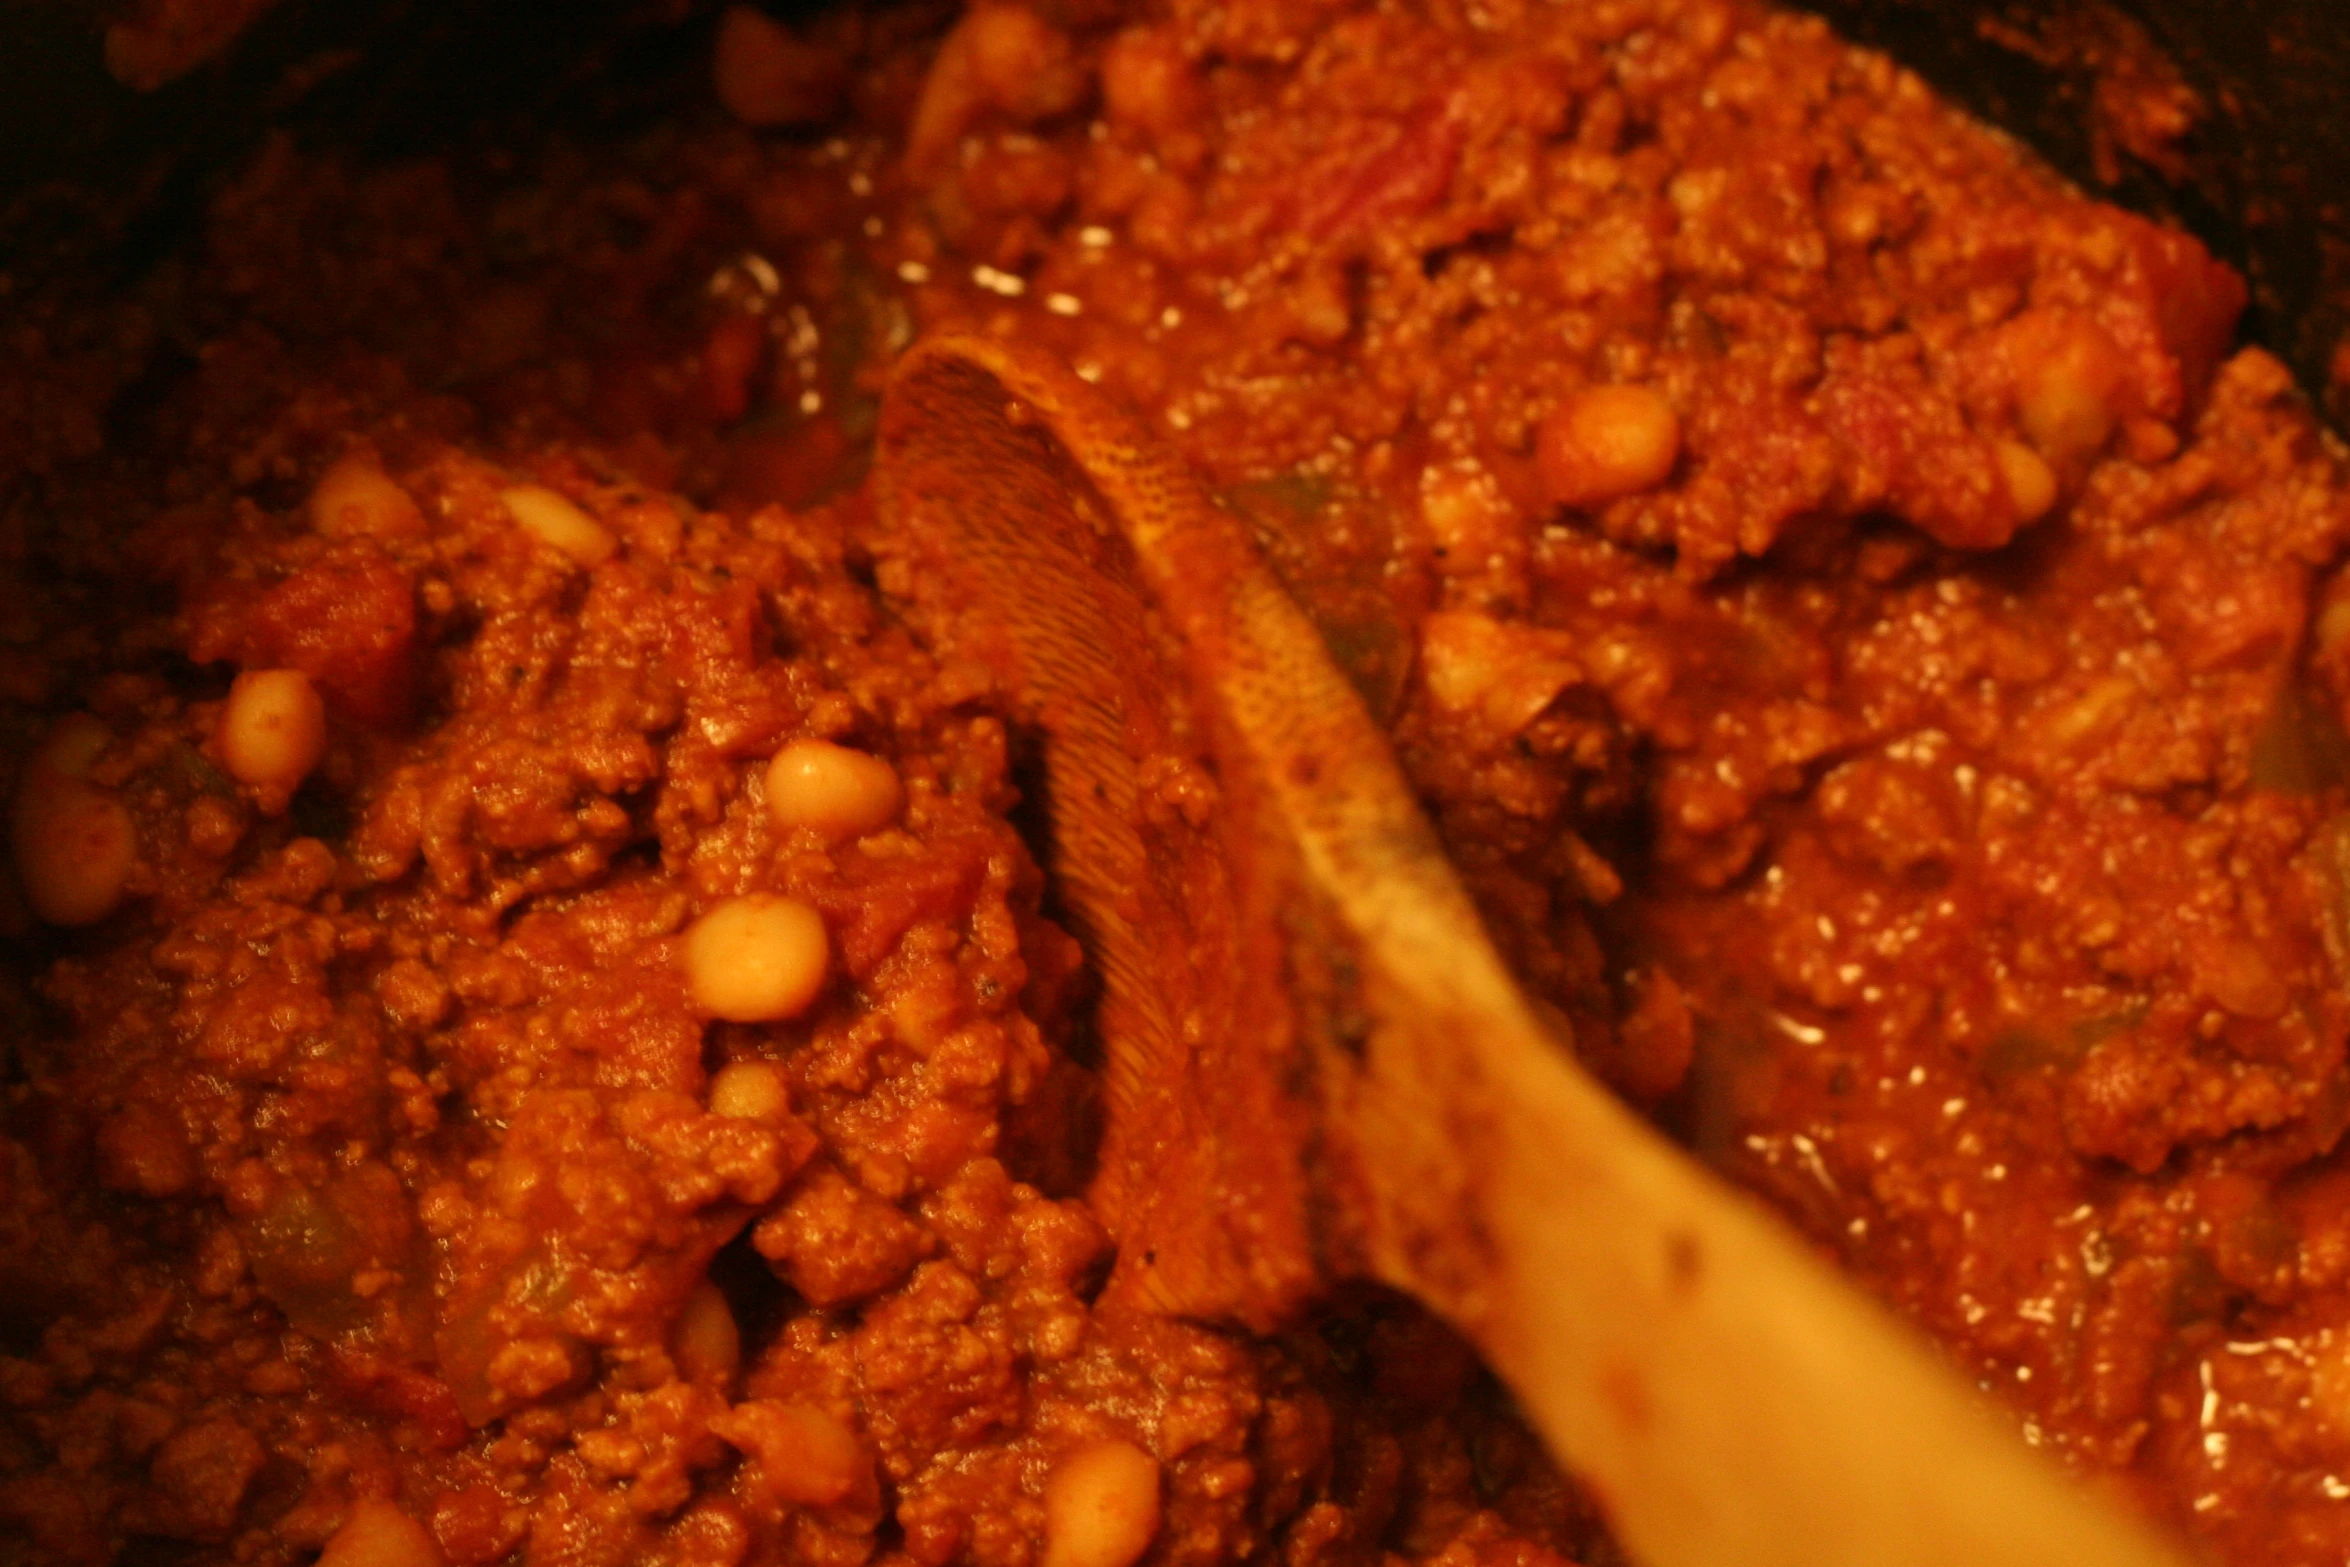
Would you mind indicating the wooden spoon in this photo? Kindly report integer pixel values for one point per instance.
(1317, 1066)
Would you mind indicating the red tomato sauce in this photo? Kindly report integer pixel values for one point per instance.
(1872, 644)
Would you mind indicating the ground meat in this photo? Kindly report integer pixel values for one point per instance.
(1877, 656)
(381, 1175)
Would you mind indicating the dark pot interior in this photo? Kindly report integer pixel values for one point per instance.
(2257, 162)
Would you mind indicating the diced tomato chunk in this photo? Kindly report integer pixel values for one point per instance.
(348, 621)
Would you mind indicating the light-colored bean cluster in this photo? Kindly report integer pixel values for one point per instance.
(763, 957)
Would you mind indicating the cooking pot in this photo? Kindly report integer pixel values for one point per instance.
(2221, 116)
(2139, 103)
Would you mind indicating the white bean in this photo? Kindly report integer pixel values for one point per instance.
(355, 498)
(378, 1534)
(2031, 483)
(1101, 1506)
(749, 1091)
(839, 792)
(2069, 380)
(1606, 442)
(73, 843)
(756, 959)
(272, 730)
(557, 522)
(705, 1341)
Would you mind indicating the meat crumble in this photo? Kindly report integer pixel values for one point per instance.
(532, 1032)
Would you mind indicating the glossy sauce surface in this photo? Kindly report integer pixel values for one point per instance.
(1872, 648)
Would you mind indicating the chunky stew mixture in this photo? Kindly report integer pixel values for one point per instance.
(532, 1033)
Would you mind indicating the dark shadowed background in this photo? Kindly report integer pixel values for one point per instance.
(2228, 116)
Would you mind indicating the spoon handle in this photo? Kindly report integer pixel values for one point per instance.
(1728, 1399)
